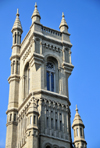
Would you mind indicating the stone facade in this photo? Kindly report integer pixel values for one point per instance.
(38, 117)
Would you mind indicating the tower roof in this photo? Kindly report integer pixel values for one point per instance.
(77, 119)
(36, 12)
(63, 21)
(17, 23)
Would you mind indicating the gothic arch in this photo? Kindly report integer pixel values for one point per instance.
(48, 145)
(55, 56)
(55, 146)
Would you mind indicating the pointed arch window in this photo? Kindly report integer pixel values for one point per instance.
(50, 76)
(26, 80)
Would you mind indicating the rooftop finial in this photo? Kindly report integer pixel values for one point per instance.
(76, 109)
(63, 14)
(35, 5)
(17, 12)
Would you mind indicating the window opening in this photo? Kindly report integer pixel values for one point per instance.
(10, 117)
(15, 37)
(34, 120)
(47, 123)
(77, 132)
(56, 124)
(50, 76)
(17, 68)
(14, 117)
(81, 132)
(61, 125)
(52, 123)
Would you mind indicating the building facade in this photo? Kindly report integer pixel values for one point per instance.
(38, 114)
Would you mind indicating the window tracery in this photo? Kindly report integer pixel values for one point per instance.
(50, 76)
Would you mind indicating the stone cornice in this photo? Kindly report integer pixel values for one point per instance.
(36, 59)
(77, 124)
(12, 122)
(12, 110)
(14, 78)
(78, 140)
(52, 39)
(67, 67)
(60, 139)
(15, 56)
(16, 45)
(49, 93)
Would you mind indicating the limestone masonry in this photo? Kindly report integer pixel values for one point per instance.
(38, 114)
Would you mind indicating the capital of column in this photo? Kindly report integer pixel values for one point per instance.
(58, 105)
(45, 102)
(54, 104)
(62, 106)
(49, 103)
(40, 101)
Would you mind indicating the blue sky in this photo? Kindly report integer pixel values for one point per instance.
(83, 19)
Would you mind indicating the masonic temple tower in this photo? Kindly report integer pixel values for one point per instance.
(38, 114)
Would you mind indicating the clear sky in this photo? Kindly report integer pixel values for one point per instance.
(83, 19)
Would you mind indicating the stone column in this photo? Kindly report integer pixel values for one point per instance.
(54, 115)
(58, 107)
(67, 119)
(63, 120)
(50, 116)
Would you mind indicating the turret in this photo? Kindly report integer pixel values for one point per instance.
(17, 32)
(63, 25)
(36, 16)
(13, 80)
(78, 127)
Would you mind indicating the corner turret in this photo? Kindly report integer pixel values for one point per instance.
(78, 127)
(63, 25)
(17, 30)
(36, 16)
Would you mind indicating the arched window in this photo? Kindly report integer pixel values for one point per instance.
(17, 68)
(14, 117)
(50, 76)
(15, 38)
(10, 117)
(77, 132)
(26, 80)
(81, 132)
(34, 119)
(13, 68)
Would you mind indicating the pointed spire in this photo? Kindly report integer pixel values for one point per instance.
(77, 119)
(63, 25)
(17, 23)
(35, 15)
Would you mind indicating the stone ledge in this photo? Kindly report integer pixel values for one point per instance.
(60, 139)
(41, 91)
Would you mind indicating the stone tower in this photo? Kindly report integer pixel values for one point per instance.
(78, 127)
(38, 114)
